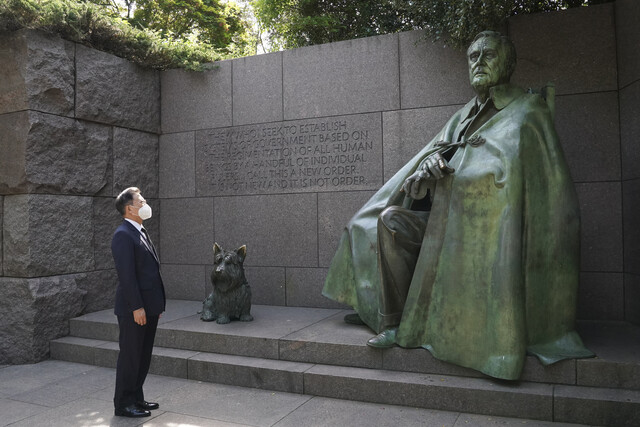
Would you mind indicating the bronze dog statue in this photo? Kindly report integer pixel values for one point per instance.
(231, 296)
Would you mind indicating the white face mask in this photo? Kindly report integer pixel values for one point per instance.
(145, 212)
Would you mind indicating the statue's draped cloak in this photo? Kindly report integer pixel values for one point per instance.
(497, 274)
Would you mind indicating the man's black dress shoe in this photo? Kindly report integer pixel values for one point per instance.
(132, 411)
(149, 406)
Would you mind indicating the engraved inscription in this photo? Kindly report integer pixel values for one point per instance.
(303, 155)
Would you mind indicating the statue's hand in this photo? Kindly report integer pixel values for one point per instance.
(437, 166)
(432, 168)
(416, 186)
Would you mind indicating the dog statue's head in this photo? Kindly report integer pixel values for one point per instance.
(228, 272)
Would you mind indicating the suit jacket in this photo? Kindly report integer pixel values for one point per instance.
(139, 281)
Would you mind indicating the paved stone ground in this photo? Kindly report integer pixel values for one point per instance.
(55, 393)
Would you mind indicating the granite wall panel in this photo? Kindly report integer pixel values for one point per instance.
(324, 154)
(268, 286)
(40, 239)
(631, 225)
(35, 311)
(38, 72)
(630, 130)
(185, 281)
(575, 49)
(601, 296)
(628, 40)
(99, 289)
(334, 212)
(135, 161)
(105, 221)
(431, 73)
(406, 132)
(601, 226)
(631, 297)
(589, 129)
(354, 76)
(176, 173)
(278, 230)
(197, 100)
(304, 288)
(186, 229)
(113, 90)
(257, 89)
(45, 153)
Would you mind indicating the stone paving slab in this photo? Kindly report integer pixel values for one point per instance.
(322, 411)
(233, 404)
(24, 378)
(196, 404)
(13, 411)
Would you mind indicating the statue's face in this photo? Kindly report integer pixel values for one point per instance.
(487, 64)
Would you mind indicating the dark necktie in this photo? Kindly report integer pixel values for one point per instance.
(149, 242)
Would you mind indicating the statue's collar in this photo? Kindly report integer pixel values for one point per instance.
(502, 95)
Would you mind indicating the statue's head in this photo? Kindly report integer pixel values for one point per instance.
(492, 59)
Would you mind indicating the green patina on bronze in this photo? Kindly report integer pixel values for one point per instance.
(497, 273)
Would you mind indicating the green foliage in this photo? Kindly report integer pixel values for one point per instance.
(102, 28)
(458, 21)
(294, 23)
(222, 25)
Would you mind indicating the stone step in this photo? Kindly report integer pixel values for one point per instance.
(570, 404)
(319, 336)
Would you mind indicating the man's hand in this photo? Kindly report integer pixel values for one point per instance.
(433, 167)
(140, 316)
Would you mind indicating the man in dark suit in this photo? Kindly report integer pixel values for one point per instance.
(140, 299)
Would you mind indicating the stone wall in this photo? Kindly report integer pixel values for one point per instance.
(226, 176)
(76, 127)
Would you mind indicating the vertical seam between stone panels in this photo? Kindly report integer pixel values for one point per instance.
(232, 117)
(399, 75)
(160, 116)
(195, 165)
(282, 83)
(75, 81)
(382, 143)
(317, 229)
(286, 288)
(113, 154)
(553, 403)
(213, 231)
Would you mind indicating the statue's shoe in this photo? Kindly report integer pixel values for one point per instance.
(353, 319)
(384, 339)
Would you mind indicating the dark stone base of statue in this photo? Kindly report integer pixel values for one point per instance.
(231, 296)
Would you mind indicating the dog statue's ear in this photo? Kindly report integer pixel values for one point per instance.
(216, 249)
(242, 252)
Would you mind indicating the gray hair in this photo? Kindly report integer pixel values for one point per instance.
(125, 199)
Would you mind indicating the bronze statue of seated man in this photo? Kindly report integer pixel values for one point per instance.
(472, 249)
